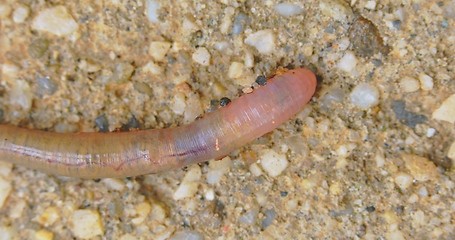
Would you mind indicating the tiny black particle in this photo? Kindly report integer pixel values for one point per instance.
(370, 209)
(224, 101)
(283, 193)
(261, 80)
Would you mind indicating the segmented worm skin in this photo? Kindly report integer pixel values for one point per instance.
(124, 154)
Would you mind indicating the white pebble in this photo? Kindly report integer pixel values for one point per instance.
(193, 108)
(227, 20)
(431, 132)
(151, 11)
(5, 189)
(273, 163)
(426, 82)
(451, 153)
(178, 103)
(210, 194)
(348, 62)
(337, 10)
(446, 112)
(5, 168)
(403, 180)
(221, 46)
(255, 169)
(364, 96)
(423, 192)
(344, 43)
(21, 95)
(264, 41)
(370, 5)
(153, 68)
(409, 84)
(189, 27)
(55, 20)
(217, 169)
(249, 59)
(413, 198)
(87, 224)
(202, 56)
(20, 14)
(287, 9)
(115, 184)
(159, 49)
(190, 183)
(236, 70)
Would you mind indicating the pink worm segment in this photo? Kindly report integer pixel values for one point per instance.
(124, 154)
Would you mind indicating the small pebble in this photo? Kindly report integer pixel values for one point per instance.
(102, 123)
(261, 80)
(241, 22)
(403, 180)
(338, 10)
(451, 152)
(370, 5)
(20, 14)
(446, 112)
(236, 70)
(87, 224)
(122, 73)
(151, 11)
(46, 86)
(21, 95)
(426, 82)
(264, 41)
(421, 168)
(189, 185)
(49, 216)
(5, 189)
(348, 62)
(115, 184)
(273, 163)
(227, 20)
(43, 234)
(143, 210)
(153, 68)
(408, 84)
(431, 132)
(287, 9)
(159, 49)
(55, 20)
(217, 169)
(255, 169)
(365, 96)
(202, 56)
(178, 103)
(224, 101)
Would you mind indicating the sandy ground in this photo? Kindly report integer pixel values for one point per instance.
(378, 166)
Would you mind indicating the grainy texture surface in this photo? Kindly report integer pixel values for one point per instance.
(370, 157)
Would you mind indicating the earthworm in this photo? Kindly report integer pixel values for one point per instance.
(126, 154)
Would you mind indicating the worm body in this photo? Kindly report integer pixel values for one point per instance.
(124, 154)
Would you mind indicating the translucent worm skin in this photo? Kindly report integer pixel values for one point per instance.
(125, 154)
